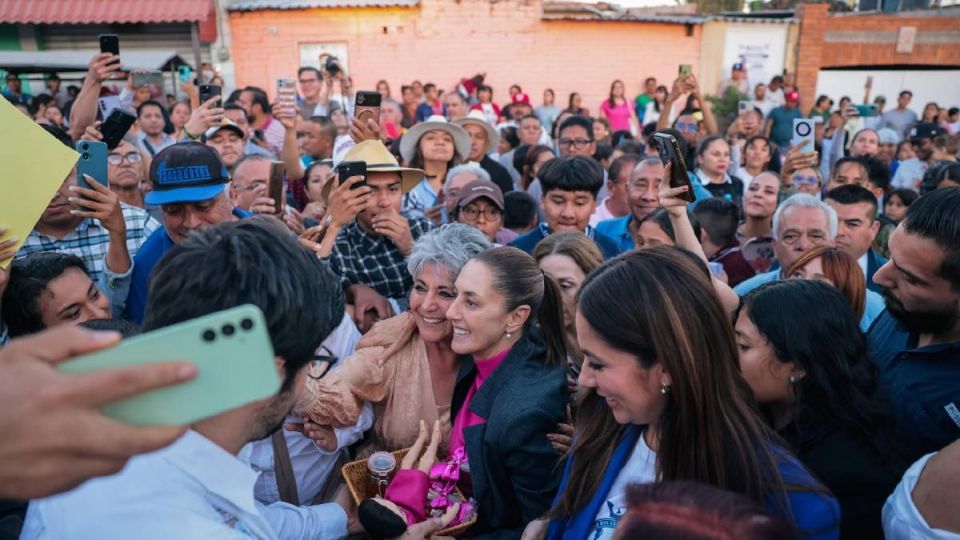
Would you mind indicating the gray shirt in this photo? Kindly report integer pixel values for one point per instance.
(899, 121)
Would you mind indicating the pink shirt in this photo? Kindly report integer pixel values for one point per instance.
(465, 417)
(618, 116)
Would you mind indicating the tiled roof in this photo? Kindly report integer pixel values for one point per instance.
(103, 11)
(259, 5)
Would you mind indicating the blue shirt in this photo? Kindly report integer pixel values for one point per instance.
(922, 384)
(618, 229)
(816, 514)
(528, 241)
(873, 306)
(156, 246)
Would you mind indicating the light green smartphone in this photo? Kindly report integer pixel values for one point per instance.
(686, 70)
(231, 350)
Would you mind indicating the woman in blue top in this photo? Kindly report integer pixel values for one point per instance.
(663, 399)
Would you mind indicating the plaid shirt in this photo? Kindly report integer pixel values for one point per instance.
(374, 261)
(90, 239)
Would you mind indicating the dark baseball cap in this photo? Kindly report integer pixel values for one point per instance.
(925, 130)
(186, 172)
(480, 188)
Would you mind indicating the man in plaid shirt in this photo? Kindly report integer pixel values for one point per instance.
(88, 238)
(370, 253)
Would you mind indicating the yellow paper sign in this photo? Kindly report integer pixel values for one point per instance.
(33, 164)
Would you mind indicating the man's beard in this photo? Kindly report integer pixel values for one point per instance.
(273, 416)
(928, 322)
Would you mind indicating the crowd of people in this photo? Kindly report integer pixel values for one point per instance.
(764, 352)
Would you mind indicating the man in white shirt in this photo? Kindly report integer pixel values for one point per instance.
(311, 463)
(197, 488)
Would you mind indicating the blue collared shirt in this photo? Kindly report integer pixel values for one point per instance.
(529, 240)
(873, 305)
(922, 383)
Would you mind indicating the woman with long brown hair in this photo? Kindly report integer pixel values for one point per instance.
(665, 400)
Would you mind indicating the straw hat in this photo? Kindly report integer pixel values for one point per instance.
(410, 140)
(476, 118)
(378, 159)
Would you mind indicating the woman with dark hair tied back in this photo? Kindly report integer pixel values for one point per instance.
(693, 511)
(511, 390)
(809, 369)
(662, 399)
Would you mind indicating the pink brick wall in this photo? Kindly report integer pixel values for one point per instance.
(444, 40)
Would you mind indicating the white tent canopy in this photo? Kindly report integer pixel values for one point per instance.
(79, 60)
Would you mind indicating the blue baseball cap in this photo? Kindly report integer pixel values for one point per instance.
(186, 172)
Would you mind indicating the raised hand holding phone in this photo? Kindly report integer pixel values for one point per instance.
(54, 433)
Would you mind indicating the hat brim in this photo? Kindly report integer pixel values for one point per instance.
(410, 139)
(493, 136)
(214, 130)
(184, 194)
(409, 178)
(474, 196)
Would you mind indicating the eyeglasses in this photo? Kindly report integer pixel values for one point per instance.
(472, 212)
(792, 237)
(576, 143)
(131, 157)
(307, 81)
(322, 361)
(812, 180)
(691, 127)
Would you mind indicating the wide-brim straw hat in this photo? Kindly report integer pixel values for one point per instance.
(378, 159)
(410, 140)
(476, 117)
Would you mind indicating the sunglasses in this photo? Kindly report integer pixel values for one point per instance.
(812, 180)
(683, 126)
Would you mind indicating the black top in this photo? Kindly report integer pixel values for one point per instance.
(498, 173)
(852, 470)
(731, 191)
(513, 467)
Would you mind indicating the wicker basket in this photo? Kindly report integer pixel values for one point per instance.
(355, 474)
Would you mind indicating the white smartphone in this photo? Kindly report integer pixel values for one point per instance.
(107, 104)
(803, 133)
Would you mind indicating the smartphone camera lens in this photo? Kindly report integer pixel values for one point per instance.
(209, 335)
(246, 324)
(84, 146)
(86, 155)
(228, 329)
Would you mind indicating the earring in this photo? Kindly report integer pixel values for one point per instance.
(793, 379)
(509, 334)
(664, 389)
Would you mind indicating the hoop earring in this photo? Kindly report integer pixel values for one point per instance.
(664, 389)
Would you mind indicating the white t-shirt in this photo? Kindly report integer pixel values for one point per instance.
(639, 469)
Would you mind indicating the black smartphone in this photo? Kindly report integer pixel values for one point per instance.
(110, 43)
(669, 151)
(115, 127)
(275, 186)
(347, 169)
(208, 91)
(367, 106)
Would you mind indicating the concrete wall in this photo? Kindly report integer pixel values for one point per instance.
(869, 40)
(442, 41)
